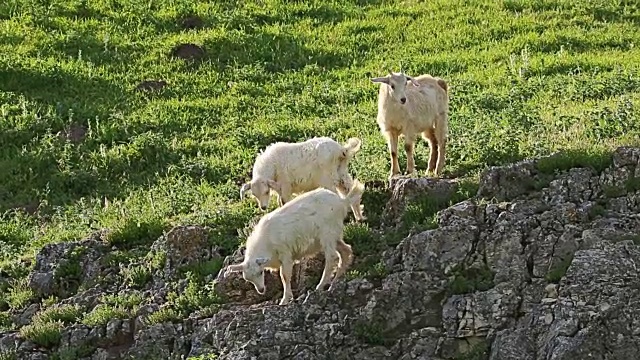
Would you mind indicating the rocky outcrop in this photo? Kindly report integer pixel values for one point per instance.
(542, 264)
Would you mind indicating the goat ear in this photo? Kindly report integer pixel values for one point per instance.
(274, 185)
(261, 261)
(246, 188)
(414, 82)
(383, 79)
(233, 268)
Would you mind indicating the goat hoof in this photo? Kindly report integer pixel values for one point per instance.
(284, 301)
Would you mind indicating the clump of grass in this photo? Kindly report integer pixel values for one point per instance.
(596, 210)
(559, 270)
(635, 238)
(103, 313)
(632, 185)
(134, 232)
(596, 159)
(204, 357)
(5, 321)
(369, 332)
(202, 269)
(74, 352)
(8, 355)
(421, 211)
(163, 315)
(45, 334)
(471, 279)
(479, 351)
(193, 297)
(67, 314)
(137, 275)
(20, 294)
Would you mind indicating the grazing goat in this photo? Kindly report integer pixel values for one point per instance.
(294, 168)
(403, 110)
(308, 224)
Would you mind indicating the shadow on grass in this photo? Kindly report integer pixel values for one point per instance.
(87, 97)
(276, 52)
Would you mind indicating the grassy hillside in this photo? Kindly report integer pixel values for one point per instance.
(81, 150)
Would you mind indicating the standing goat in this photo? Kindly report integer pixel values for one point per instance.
(294, 168)
(308, 224)
(407, 110)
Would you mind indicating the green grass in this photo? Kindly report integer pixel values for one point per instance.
(527, 78)
(471, 279)
(104, 313)
(46, 334)
(559, 270)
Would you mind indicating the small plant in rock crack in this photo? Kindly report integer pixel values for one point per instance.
(20, 294)
(468, 280)
(479, 351)
(370, 332)
(193, 297)
(163, 315)
(559, 270)
(136, 275)
(73, 353)
(5, 321)
(8, 355)
(46, 334)
(204, 357)
(595, 159)
(129, 301)
(103, 313)
(67, 314)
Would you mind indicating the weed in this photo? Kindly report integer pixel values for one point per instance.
(5, 321)
(193, 297)
(204, 268)
(136, 232)
(370, 332)
(102, 314)
(558, 270)
(203, 357)
(596, 210)
(8, 355)
(596, 159)
(633, 184)
(479, 351)
(20, 294)
(67, 314)
(74, 352)
(163, 315)
(127, 301)
(136, 276)
(46, 334)
(468, 280)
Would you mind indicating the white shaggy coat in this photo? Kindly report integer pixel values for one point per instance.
(310, 223)
(410, 106)
(295, 168)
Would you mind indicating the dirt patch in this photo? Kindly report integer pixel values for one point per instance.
(188, 52)
(191, 22)
(74, 133)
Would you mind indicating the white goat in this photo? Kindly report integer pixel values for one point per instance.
(294, 168)
(409, 110)
(308, 224)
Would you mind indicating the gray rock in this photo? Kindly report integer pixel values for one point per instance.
(536, 268)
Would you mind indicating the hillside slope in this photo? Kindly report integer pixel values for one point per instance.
(132, 124)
